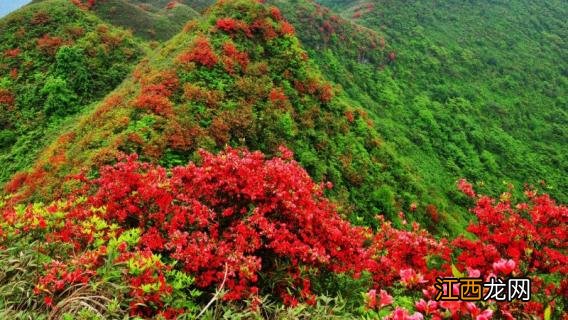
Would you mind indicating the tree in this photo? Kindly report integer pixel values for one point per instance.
(70, 64)
(60, 100)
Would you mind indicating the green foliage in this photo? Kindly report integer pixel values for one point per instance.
(455, 101)
(18, 266)
(150, 20)
(55, 60)
(71, 64)
(60, 100)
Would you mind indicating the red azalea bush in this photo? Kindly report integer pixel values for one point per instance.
(201, 53)
(533, 235)
(404, 255)
(248, 223)
(232, 57)
(49, 45)
(527, 240)
(85, 5)
(155, 93)
(6, 97)
(228, 219)
(12, 53)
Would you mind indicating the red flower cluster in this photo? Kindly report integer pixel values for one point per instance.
(6, 97)
(202, 53)
(229, 24)
(466, 188)
(286, 28)
(49, 44)
(278, 97)
(524, 240)
(275, 13)
(12, 53)
(403, 255)
(533, 235)
(155, 95)
(233, 56)
(40, 18)
(237, 211)
(85, 5)
(171, 5)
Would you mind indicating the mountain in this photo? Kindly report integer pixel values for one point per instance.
(239, 80)
(475, 89)
(270, 159)
(153, 20)
(55, 60)
(149, 20)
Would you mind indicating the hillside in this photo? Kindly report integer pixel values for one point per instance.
(241, 81)
(55, 60)
(151, 20)
(359, 59)
(476, 89)
(278, 160)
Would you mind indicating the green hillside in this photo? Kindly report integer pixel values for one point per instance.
(151, 20)
(55, 60)
(237, 80)
(476, 89)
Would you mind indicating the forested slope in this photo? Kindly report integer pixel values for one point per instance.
(55, 60)
(475, 89)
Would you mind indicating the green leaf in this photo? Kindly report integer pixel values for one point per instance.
(547, 312)
(456, 273)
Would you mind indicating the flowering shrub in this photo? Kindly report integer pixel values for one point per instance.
(49, 44)
(228, 24)
(171, 5)
(524, 240)
(237, 211)
(12, 53)
(6, 97)
(532, 236)
(238, 218)
(155, 93)
(201, 53)
(40, 18)
(85, 5)
(233, 56)
(404, 255)
(286, 28)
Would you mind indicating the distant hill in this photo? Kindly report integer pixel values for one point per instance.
(153, 20)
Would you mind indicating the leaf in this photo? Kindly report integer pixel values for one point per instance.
(547, 312)
(456, 273)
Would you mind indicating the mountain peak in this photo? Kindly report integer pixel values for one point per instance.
(238, 76)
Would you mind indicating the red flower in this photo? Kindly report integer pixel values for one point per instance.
(202, 53)
(466, 188)
(504, 266)
(48, 301)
